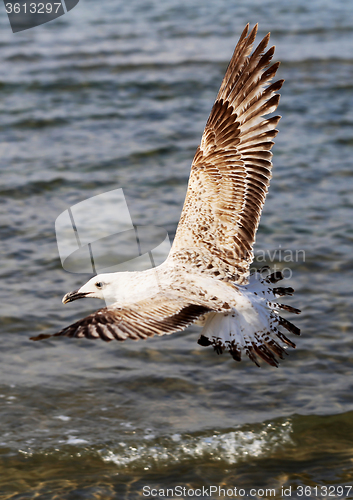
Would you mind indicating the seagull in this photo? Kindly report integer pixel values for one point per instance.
(205, 279)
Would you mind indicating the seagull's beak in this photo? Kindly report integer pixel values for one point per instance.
(76, 294)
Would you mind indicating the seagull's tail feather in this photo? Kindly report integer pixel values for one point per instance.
(253, 328)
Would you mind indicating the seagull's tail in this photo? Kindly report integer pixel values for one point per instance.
(253, 326)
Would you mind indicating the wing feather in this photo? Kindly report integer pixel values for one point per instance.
(159, 315)
(231, 170)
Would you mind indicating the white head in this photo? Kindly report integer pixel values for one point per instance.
(122, 287)
(102, 286)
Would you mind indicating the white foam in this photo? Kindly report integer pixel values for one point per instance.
(229, 447)
(64, 418)
(74, 440)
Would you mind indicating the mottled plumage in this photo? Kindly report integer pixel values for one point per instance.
(231, 171)
(206, 276)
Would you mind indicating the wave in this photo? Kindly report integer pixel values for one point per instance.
(229, 447)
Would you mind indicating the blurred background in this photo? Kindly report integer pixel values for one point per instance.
(116, 95)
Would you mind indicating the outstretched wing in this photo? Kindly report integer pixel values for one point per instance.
(231, 171)
(159, 315)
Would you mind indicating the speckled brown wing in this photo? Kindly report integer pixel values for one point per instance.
(231, 171)
(159, 315)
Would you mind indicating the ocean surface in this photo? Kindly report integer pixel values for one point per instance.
(116, 95)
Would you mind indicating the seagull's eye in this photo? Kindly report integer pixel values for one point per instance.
(99, 284)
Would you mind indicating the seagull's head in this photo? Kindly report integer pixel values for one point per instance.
(98, 287)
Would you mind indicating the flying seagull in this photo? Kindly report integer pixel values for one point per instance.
(205, 279)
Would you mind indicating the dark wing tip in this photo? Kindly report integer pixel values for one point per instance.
(42, 336)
